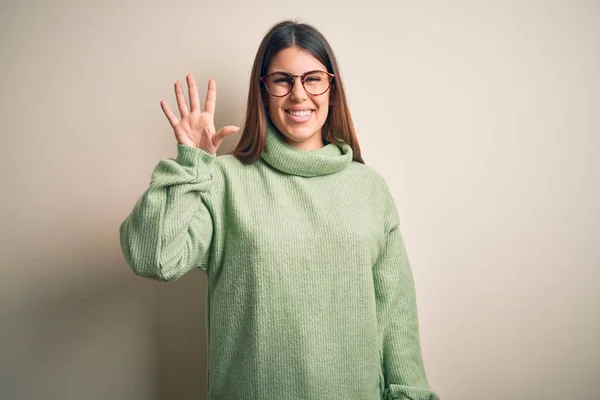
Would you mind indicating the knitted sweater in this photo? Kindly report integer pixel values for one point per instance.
(310, 294)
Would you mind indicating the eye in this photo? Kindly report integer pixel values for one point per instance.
(280, 79)
(313, 78)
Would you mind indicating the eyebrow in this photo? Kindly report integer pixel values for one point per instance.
(287, 72)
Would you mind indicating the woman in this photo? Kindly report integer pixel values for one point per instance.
(310, 294)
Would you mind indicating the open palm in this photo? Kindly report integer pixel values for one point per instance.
(197, 128)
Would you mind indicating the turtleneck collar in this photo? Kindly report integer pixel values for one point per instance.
(328, 159)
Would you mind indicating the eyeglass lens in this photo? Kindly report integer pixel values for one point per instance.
(281, 84)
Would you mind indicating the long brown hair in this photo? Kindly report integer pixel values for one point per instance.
(338, 126)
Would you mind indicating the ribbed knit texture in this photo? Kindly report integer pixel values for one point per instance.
(310, 294)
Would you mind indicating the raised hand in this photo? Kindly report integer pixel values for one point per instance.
(197, 128)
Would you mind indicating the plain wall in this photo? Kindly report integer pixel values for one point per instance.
(482, 115)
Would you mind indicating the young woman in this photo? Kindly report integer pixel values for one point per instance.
(310, 294)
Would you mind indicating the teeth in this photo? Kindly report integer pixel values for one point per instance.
(300, 113)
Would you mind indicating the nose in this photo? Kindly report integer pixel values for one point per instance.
(298, 93)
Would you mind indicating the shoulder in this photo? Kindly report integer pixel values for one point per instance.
(228, 164)
(227, 161)
(370, 176)
(231, 171)
(379, 191)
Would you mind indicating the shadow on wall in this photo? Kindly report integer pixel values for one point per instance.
(106, 335)
(180, 325)
(80, 334)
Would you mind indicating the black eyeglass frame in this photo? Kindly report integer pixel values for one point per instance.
(330, 77)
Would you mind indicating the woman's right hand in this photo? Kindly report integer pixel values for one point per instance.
(197, 128)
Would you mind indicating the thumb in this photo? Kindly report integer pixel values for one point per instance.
(226, 131)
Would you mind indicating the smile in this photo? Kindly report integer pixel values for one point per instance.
(303, 113)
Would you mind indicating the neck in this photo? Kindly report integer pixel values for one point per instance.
(326, 159)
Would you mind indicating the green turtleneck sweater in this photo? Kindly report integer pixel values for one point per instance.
(310, 293)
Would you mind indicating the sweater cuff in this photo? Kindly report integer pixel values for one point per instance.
(190, 156)
(403, 392)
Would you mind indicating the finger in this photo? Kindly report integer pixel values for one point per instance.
(168, 113)
(226, 131)
(211, 96)
(183, 110)
(193, 92)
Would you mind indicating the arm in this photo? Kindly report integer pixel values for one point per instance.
(170, 229)
(403, 370)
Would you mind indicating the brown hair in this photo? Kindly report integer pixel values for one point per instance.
(338, 126)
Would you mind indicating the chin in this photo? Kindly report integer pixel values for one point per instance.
(300, 134)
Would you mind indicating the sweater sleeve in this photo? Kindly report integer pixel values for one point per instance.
(404, 375)
(169, 231)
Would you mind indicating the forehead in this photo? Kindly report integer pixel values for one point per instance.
(295, 61)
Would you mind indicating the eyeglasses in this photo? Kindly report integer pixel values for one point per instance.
(280, 84)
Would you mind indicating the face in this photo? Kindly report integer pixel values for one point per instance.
(302, 130)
